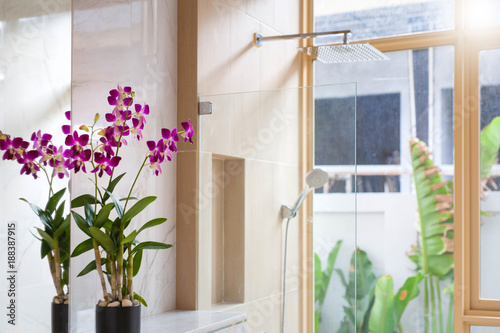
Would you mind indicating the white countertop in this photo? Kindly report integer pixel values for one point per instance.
(190, 322)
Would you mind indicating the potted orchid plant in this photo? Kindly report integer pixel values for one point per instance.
(40, 155)
(106, 218)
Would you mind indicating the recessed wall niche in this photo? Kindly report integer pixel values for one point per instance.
(228, 229)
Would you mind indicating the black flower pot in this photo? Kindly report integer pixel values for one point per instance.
(59, 318)
(118, 320)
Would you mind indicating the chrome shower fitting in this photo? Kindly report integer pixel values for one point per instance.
(333, 53)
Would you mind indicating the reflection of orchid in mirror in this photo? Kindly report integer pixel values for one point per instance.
(110, 236)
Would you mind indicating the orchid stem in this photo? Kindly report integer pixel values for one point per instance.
(135, 181)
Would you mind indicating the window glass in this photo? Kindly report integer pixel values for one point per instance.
(489, 79)
(371, 253)
(384, 18)
(411, 95)
(484, 12)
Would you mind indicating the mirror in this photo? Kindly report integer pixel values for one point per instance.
(35, 91)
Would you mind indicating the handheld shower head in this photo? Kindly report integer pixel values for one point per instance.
(314, 179)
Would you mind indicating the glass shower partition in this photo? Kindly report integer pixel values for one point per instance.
(251, 160)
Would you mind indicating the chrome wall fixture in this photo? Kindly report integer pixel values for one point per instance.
(331, 53)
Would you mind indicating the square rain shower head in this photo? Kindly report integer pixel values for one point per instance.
(344, 53)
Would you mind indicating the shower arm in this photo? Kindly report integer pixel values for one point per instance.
(258, 38)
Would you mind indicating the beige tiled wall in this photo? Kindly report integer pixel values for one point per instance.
(262, 129)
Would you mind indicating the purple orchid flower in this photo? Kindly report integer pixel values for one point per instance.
(188, 130)
(40, 140)
(120, 97)
(104, 163)
(29, 167)
(14, 149)
(60, 169)
(137, 128)
(76, 143)
(66, 129)
(157, 151)
(170, 139)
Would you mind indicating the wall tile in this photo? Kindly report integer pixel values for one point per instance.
(262, 10)
(245, 60)
(214, 47)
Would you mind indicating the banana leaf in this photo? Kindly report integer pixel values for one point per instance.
(435, 210)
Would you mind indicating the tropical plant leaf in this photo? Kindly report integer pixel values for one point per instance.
(104, 240)
(406, 293)
(435, 211)
(103, 215)
(359, 290)
(137, 262)
(54, 200)
(112, 186)
(83, 199)
(490, 144)
(318, 278)
(152, 223)
(91, 266)
(47, 238)
(382, 317)
(151, 246)
(137, 208)
(81, 223)
(83, 247)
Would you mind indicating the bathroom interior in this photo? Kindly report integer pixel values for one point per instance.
(301, 204)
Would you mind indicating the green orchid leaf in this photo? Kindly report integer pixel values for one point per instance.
(137, 262)
(45, 218)
(44, 249)
(151, 246)
(130, 238)
(58, 218)
(81, 223)
(408, 292)
(89, 214)
(53, 201)
(112, 186)
(104, 240)
(152, 223)
(103, 215)
(62, 228)
(83, 247)
(140, 299)
(137, 208)
(83, 199)
(382, 317)
(47, 238)
(118, 205)
(91, 266)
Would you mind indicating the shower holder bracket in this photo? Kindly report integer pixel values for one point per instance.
(204, 108)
